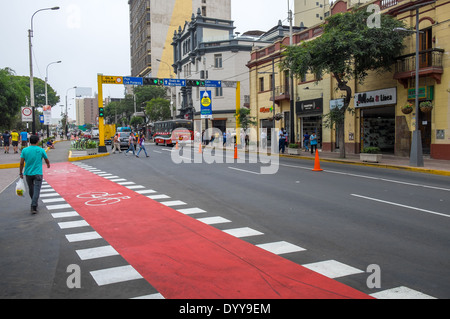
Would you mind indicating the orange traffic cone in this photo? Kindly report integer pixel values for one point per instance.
(200, 148)
(317, 163)
(176, 147)
(235, 152)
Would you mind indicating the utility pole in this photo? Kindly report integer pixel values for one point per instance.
(291, 84)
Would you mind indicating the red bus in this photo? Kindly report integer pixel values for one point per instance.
(169, 132)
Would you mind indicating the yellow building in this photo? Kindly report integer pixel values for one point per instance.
(378, 119)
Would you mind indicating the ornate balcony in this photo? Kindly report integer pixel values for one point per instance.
(281, 93)
(431, 64)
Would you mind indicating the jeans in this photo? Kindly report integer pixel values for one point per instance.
(140, 149)
(130, 148)
(34, 187)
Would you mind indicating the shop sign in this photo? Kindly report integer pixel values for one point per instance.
(376, 98)
(265, 110)
(310, 107)
(424, 93)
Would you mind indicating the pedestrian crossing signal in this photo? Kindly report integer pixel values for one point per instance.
(196, 83)
(101, 112)
(153, 81)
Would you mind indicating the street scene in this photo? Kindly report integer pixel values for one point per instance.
(226, 165)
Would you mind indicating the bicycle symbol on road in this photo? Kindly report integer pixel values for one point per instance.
(102, 198)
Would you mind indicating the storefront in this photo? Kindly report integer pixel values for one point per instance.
(377, 114)
(309, 118)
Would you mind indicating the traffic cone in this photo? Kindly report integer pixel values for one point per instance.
(200, 148)
(317, 163)
(176, 147)
(235, 152)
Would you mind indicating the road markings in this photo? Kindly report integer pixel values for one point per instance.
(400, 205)
(191, 211)
(173, 203)
(244, 170)
(62, 206)
(65, 214)
(281, 247)
(161, 196)
(73, 238)
(97, 252)
(333, 269)
(400, 293)
(74, 224)
(115, 275)
(242, 232)
(213, 220)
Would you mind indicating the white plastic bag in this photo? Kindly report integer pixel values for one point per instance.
(20, 188)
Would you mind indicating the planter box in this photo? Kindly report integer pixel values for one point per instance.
(294, 151)
(372, 158)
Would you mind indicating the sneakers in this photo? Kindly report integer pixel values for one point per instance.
(34, 210)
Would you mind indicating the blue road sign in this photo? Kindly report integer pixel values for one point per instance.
(174, 82)
(206, 105)
(41, 118)
(127, 80)
(213, 84)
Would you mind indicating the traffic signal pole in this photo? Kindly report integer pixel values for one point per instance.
(101, 120)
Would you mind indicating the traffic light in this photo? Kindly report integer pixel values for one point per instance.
(153, 81)
(101, 112)
(196, 83)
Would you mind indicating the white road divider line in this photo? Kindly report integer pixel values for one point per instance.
(400, 205)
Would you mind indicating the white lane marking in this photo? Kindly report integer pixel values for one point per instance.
(114, 275)
(135, 187)
(162, 196)
(65, 214)
(62, 206)
(74, 224)
(242, 232)
(400, 205)
(96, 252)
(53, 200)
(244, 170)
(332, 269)
(48, 195)
(281, 247)
(72, 238)
(152, 296)
(214, 220)
(191, 211)
(400, 293)
(173, 203)
(147, 191)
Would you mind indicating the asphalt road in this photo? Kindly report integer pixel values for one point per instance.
(351, 215)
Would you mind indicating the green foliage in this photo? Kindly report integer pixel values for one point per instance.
(245, 119)
(347, 49)
(158, 109)
(371, 150)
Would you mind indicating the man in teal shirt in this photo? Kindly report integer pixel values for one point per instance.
(32, 157)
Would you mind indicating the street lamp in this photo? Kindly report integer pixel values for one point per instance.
(67, 116)
(46, 92)
(416, 156)
(30, 46)
(171, 90)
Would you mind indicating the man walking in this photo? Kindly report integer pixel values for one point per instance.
(32, 156)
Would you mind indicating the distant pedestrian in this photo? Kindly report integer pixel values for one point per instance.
(131, 141)
(306, 141)
(142, 146)
(24, 138)
(313, 139)
(116, 144)
(281, 141)
(15, 141)
(33, 156)
(6, 137)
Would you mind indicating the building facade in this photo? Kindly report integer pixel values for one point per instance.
(87, 111)
(152, 23)
(378, 119)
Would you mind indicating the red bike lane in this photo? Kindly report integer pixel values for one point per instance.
(182, 257)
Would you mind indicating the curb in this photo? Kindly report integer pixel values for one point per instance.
(82, 158)
(388, 166)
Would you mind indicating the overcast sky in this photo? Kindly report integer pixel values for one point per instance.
(91, 37)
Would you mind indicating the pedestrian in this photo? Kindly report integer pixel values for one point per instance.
(15, 141)
(142, 146)
(281, 141)
(131, 140)
(116, 144)
(313, 141)
(24, 138)
(306, 141)
(33, 156)
(6, 137)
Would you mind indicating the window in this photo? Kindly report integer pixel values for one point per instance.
(218, 61)
(219, 92)
(261, 84)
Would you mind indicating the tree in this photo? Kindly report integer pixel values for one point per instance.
(158, 110)
(245, 119)
(12, 97)
(348, 49)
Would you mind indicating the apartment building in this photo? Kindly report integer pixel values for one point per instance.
(152, 25)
